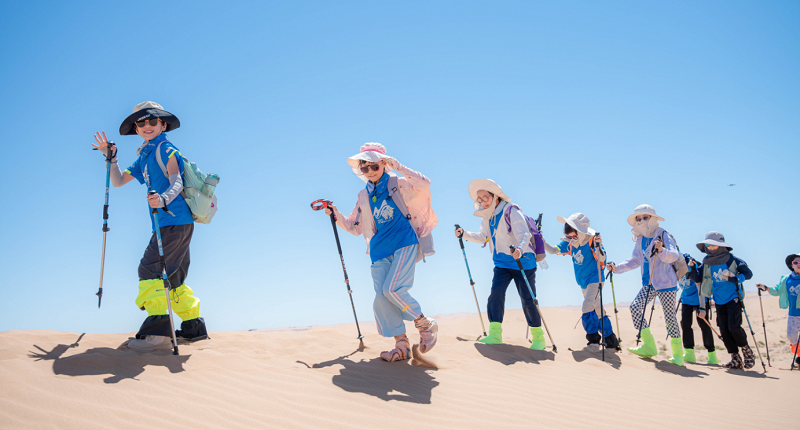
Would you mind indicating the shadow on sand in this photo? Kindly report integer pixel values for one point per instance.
(512, 354)
(612, 359)
(387, 381)
(119, 364)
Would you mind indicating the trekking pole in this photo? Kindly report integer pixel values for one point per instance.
(616, 312)
(535, 301)
(752, 333)
(647, 299)
(796, 347)
(764, 326)
(163, 262)
(323, 204)
(471, 282)
(109, 157)
(674, 313)
(712, 327)
(600, 287)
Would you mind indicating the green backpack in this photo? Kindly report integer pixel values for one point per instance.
(198, 189)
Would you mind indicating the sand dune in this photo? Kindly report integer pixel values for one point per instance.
(317, 378)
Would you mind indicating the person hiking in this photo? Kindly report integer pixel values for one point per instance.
(654, 252)
(504, 225)
(585, 246)
(788, 291)
(151, 122)
(690, 307)
(395, 243)
(714, 276)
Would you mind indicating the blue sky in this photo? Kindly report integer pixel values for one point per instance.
(570, 106)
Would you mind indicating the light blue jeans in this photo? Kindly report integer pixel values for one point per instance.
(393, 276)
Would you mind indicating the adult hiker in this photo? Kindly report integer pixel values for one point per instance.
(503, 225)
(585, 246)
(714, 275)
(654, 252)
(151, 122)
(690, 307)
(788, 291)
(395, 216)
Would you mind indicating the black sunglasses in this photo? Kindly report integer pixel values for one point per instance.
(153, 122)
(374, 167)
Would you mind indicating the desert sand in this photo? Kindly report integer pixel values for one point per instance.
(316, 377)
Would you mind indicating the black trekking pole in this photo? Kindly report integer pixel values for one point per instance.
(764, 326)
(796, 347)
(538, 223)
(616, 312)
(752, 333)
(471, 282)
(323, 204)
(535, 301)
(109, 157)
(600, 287)
(167, 286)
(674, 313)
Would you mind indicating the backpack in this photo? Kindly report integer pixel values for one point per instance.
(537, 241)
(426, 242)
(680, 266)
(198, 188)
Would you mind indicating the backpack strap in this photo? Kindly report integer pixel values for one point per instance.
(393, 189)
(158, 158)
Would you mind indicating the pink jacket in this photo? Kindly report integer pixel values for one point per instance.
(415, 189)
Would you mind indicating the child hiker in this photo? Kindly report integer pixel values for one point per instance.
(503, 225)
(151, 122)
(788, 289)
(655, 252)
(585, 247)
(714, 276)
(395, 216)
(690, 299)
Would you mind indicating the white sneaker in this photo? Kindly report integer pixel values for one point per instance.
(150, 343)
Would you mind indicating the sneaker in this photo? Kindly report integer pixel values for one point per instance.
(735, 363)
(150, 344)
(796, 364)
(401, 351)
(192, 330)
(428, 331)
(749, 357)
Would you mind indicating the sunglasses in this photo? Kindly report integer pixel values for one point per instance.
(642, 218)
(795, 263)
(486, 200)
(153, 122)
(373, 167)
(572, 237)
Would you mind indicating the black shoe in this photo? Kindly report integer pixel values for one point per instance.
(612, 342)
(192, 330)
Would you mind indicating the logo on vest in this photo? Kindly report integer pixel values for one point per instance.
(383, 214)
(578, 257)
(719, 276)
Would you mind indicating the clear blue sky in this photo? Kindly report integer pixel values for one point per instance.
(570, 106)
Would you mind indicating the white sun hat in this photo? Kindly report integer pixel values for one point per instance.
(372, 152)
(486, 185)
(579, 222)
(643, 210)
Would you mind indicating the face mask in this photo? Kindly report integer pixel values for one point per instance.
(645, 228)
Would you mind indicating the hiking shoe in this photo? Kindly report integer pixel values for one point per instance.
(495, 336)
(796, 364)
(612, 342)
(192, 330)
(648, 348)
(537, 339)
(150, 344)
(749, 357)
(712, 357)
(401, 351)
(428, 331)
(735, 363)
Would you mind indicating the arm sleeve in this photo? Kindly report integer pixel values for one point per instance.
(633, 262)
(349, 223)
(669, 253)
(776, 290)
(417, 180)
(520, 230)
(551, 249)
(116, 175)
(175, 188)
(745, 274)
(479, 238)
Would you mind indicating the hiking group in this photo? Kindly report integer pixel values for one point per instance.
(395, 216)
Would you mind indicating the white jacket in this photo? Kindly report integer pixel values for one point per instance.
(663, 274)
(520, 235)
(415, 189)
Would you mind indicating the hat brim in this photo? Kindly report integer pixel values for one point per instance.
(590, 231)
(789, 259)
(127, 127)
(702, 245)
(370, 156)
(632, 218)
(486, 185)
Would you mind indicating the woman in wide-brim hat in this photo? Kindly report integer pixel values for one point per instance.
(504, 225)
(151, 122)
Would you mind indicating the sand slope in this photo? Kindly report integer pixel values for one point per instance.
(317, 378)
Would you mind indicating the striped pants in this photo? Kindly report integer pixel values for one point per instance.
(393, 276)
(667, 298)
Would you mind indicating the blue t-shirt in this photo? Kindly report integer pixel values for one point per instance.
(502, 260)
(723, 290)
(793, 287)
(646, 260)
(394, 230)
(584, 263)
(689, 296)
(146, 168)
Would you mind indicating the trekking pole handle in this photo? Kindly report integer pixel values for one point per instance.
(321, 204)
(460, 236)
